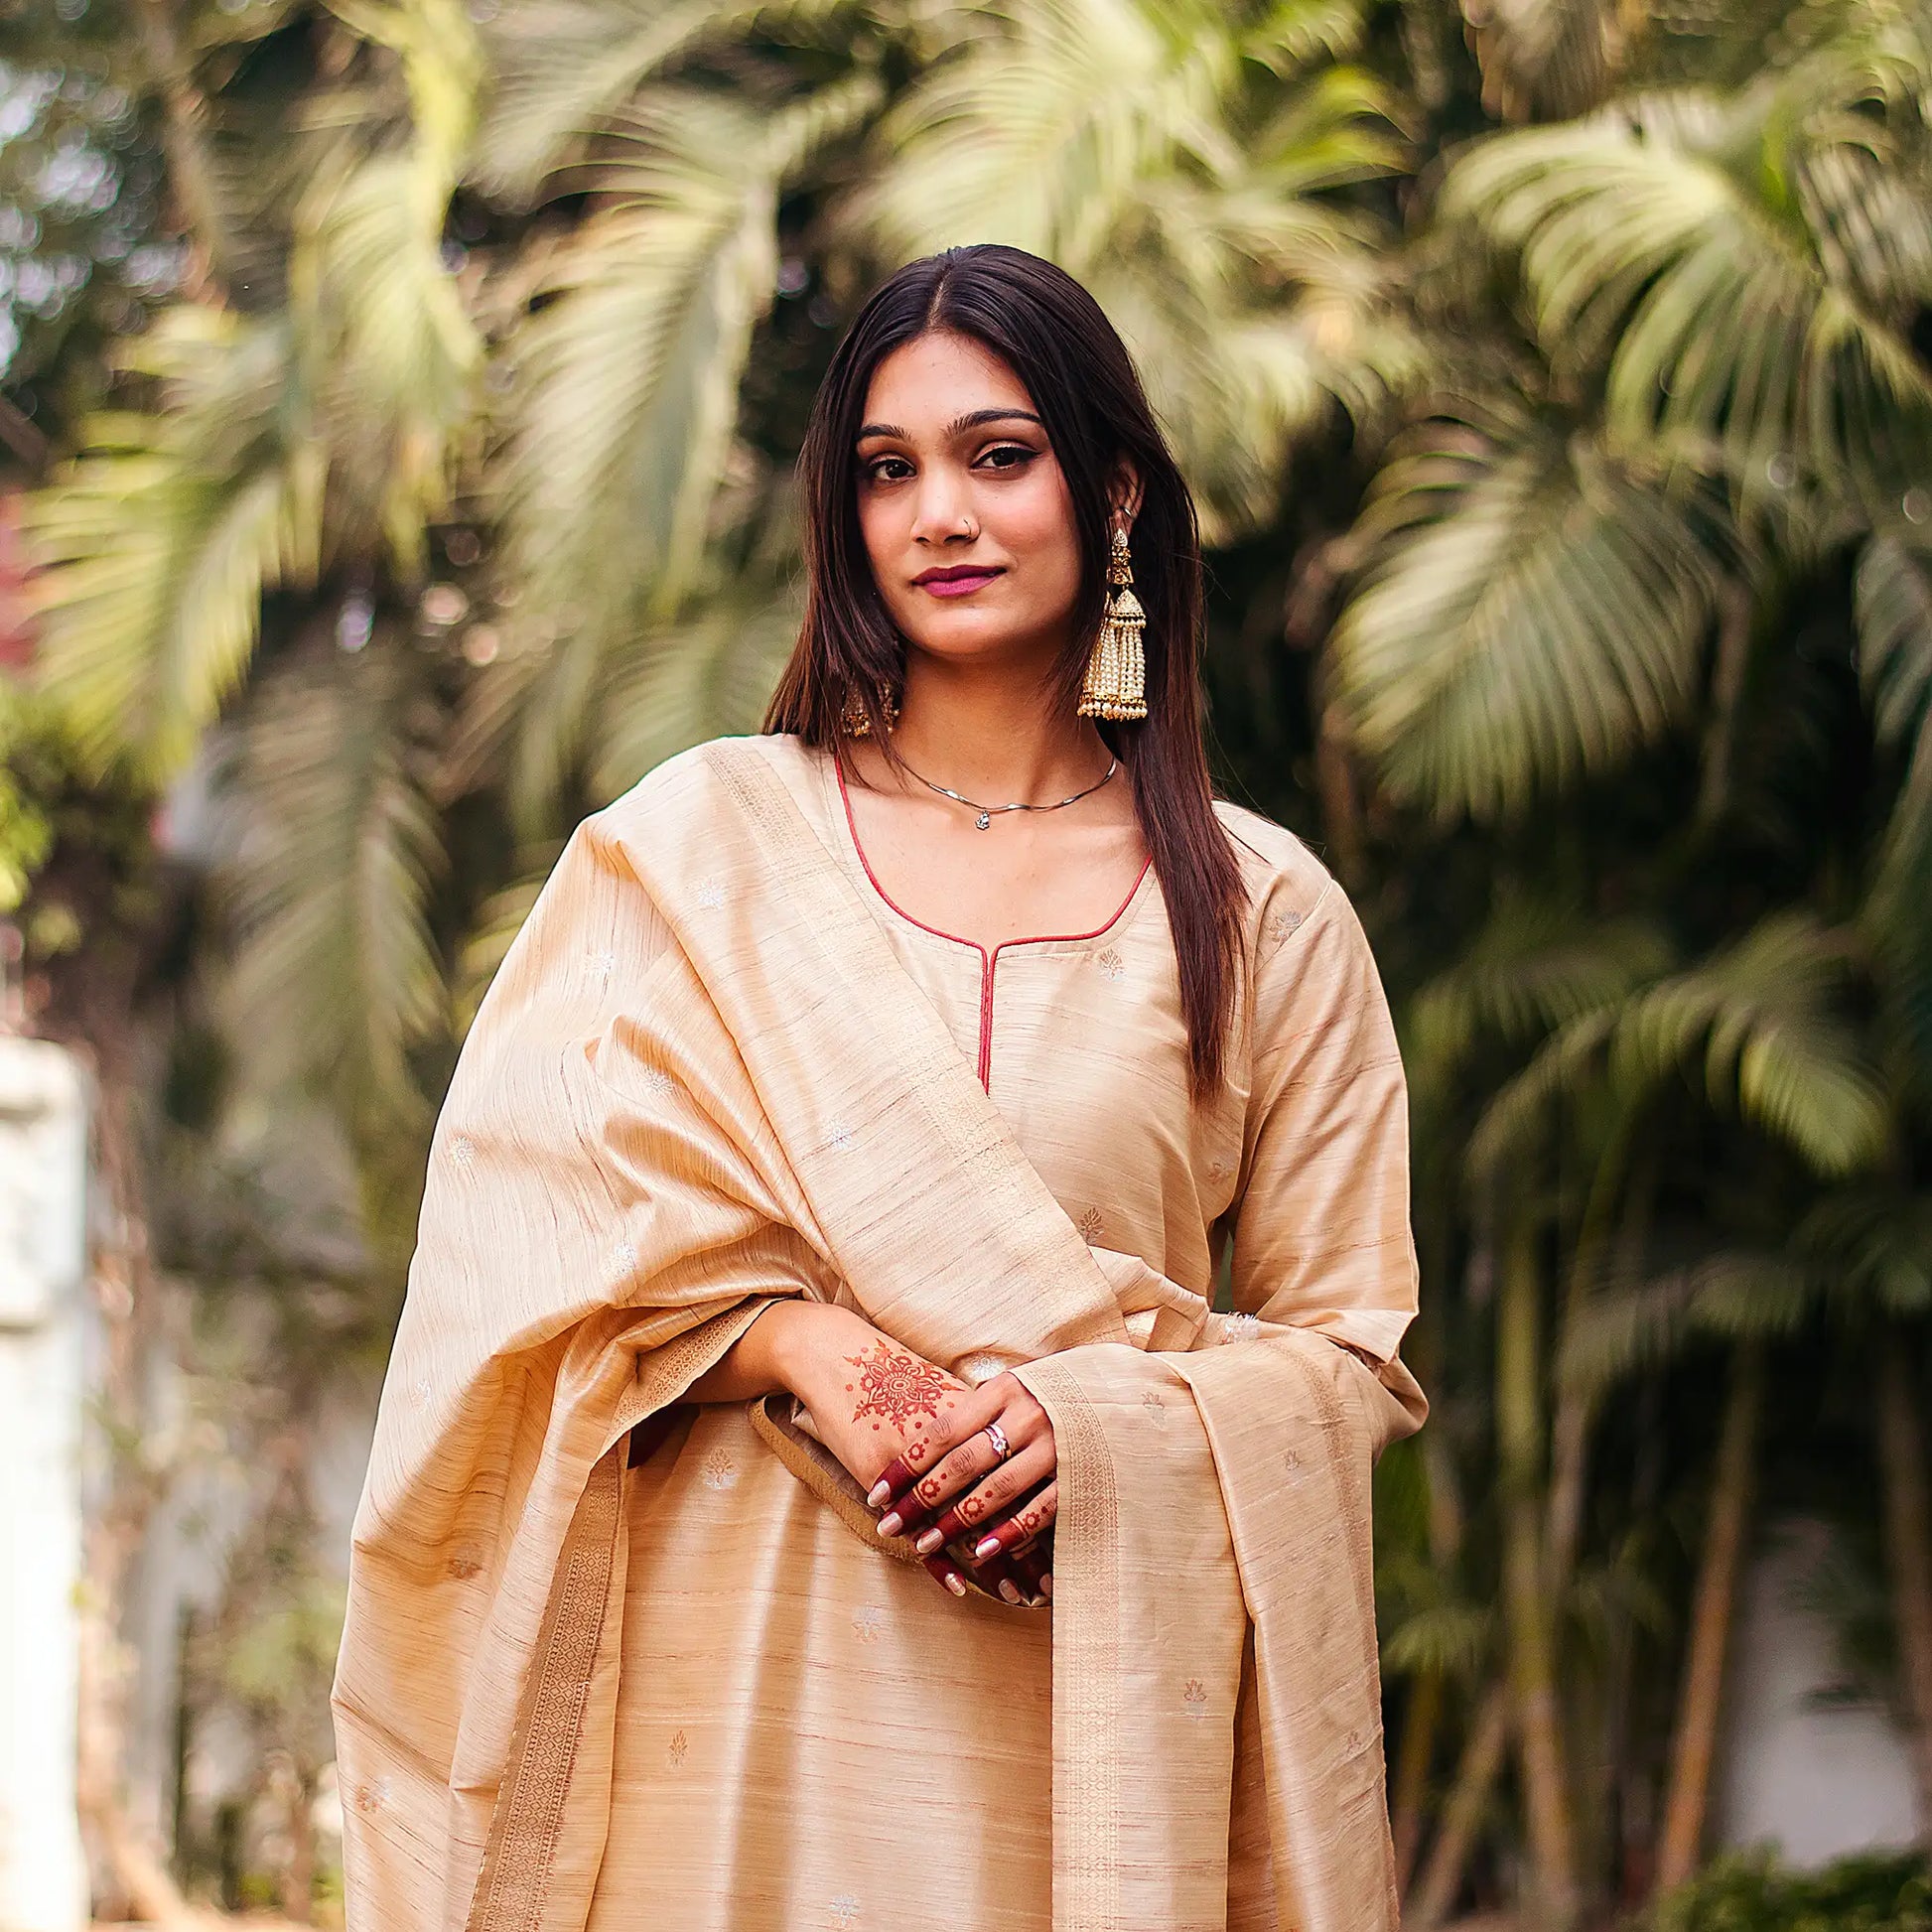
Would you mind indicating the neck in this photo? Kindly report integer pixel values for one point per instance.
(990, 734)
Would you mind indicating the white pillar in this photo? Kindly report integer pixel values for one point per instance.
(42, 1262)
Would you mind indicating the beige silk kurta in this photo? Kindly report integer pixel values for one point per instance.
(693, 1691)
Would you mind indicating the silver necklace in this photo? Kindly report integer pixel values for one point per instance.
(986, 812)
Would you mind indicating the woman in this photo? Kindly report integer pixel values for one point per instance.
(817, 1257)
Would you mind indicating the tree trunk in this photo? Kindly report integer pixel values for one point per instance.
(1475, 1776)
(192, 178)
(1527, 1609)
(1734, 611)
(1908, 1554)
(1419, 1724)
(129, 1869)
(1701, 1703)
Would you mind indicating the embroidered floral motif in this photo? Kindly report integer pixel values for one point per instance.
(1219, 1169)
(603, 964)
(657, 1083)
(839, 1138)
(1292, 1464)
(1091, 1226)
(981, 1368)
(624, 1254)
(372, 1797)
(1280, 926)
(419, 1391)
(675, 1749)
(720, 1471)
(1110, 965)
(464, 1564)
(1241, 1325)
(463, 1151)
(1194, 1698)
(868, 1621)
(1156, 1408)
(711, 893)
(844, 1910)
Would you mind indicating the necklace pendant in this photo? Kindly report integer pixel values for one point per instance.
(984, 821)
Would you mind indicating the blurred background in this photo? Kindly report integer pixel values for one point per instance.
(398, 403)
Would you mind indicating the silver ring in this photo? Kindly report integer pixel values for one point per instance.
(997, 1435)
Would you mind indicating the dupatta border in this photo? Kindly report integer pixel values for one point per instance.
(516, 1877)
(514, 1881)
(1086, 1659)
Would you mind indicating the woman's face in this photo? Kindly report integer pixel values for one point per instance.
(965, 512)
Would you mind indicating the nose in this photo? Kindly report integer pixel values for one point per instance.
(942, 512)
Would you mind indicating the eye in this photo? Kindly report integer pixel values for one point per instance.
(886, 469)
(1007, 456)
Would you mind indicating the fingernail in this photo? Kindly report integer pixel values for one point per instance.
(987, 1546)
(890, 1524)
(879, 1493)
(929, 1541)
(1008, 1592)
(954, 1583)
(1046, 1587)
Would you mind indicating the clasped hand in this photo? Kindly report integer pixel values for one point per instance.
(917, 1441)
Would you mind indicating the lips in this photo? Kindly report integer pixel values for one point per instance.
(956, 580)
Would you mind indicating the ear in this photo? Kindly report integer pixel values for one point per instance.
(1124, 493)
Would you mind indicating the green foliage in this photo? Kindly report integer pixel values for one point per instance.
(26, 833)
(1752, 1895)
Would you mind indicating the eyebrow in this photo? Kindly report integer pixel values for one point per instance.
(974, 419)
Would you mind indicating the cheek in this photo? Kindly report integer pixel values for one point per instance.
(1035, 523)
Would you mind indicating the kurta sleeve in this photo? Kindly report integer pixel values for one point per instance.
(1321, 1232)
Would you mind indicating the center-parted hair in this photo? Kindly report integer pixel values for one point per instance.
(1053, 335)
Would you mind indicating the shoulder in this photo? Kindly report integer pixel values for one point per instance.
(1287, 883)
(689, 793)
(1306, 947)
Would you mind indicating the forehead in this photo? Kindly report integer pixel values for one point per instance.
(937, 377)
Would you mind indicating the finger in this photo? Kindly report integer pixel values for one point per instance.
(999, 1576)
(961, 1420)
(1022, 1472)
(972, 1460)
(1030, 1570)
(1031, 1520)
(947, 1572)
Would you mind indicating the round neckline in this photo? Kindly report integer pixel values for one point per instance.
(857, 851)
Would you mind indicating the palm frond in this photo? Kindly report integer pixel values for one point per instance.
(1451, 1639)
(1536, 609)
(710, 674)
(1760, 1024)
(1728, 263)
(1532, 969)
(1875, 1246)
(1630, 1327)
(628, 371)
(155, 542)
(335, 976)
(1766, 1021)
(564, 68)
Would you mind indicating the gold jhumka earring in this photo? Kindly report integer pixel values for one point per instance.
(1116, 680)
(853, 714)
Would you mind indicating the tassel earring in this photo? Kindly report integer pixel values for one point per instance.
(853, 715)
(1116, 680)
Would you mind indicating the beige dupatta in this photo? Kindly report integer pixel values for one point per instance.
(704, 1050)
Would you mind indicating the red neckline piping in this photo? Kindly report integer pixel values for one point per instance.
(987, 954)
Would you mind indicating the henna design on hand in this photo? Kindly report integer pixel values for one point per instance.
(895, 1387)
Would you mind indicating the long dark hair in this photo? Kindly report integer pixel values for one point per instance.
(1053, 336)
